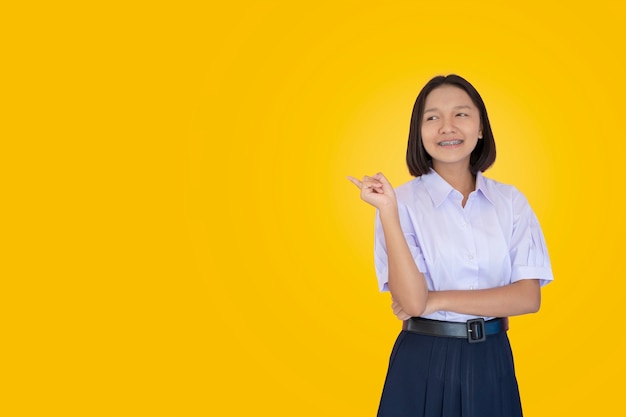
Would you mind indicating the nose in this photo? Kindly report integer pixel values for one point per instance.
(447, 126)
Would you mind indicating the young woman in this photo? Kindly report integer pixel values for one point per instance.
(459, 253)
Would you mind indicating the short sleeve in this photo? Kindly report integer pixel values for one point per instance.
(380, 248)
(528, 250)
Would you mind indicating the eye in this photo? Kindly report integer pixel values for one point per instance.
(463, 115)
(431, 118)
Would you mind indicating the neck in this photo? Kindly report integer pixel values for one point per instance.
(460, 178)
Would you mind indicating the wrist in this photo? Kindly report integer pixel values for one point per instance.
(388, 210)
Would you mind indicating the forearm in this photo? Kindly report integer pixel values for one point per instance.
(521, 297)
(406, 283)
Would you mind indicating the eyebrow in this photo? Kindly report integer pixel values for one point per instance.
(463, 106)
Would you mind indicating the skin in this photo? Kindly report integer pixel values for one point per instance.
(450, 131)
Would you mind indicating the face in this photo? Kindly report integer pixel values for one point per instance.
(450, 127)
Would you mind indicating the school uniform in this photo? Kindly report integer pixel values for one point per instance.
(464, 368)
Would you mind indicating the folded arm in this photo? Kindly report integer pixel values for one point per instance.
(521, 297)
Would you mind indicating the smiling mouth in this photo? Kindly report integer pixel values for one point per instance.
(450, 142)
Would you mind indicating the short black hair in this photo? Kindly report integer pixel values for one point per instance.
(418, 160)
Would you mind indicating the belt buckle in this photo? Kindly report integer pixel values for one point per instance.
(476, 330)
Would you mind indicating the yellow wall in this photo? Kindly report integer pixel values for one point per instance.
(180, 238)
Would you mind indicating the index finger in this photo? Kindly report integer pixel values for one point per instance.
(355, 181)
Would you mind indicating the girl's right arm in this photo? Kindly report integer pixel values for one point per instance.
(406, 283)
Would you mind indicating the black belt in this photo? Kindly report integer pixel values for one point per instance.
(475, 330)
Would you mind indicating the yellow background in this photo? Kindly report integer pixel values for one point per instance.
(179, 238)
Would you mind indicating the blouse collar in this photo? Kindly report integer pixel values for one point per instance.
(439, 189)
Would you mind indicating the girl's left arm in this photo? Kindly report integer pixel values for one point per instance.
(520, 297)
(530, 269)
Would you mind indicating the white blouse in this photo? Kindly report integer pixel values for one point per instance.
(493, 241)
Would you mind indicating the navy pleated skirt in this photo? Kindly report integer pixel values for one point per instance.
(447, 377)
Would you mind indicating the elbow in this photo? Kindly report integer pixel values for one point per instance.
(415, 309)
(411, 298)
(532, 307)
(530, 296)
(415, 306)
(533, 303)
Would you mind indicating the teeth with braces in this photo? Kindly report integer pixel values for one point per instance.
(450, 142)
